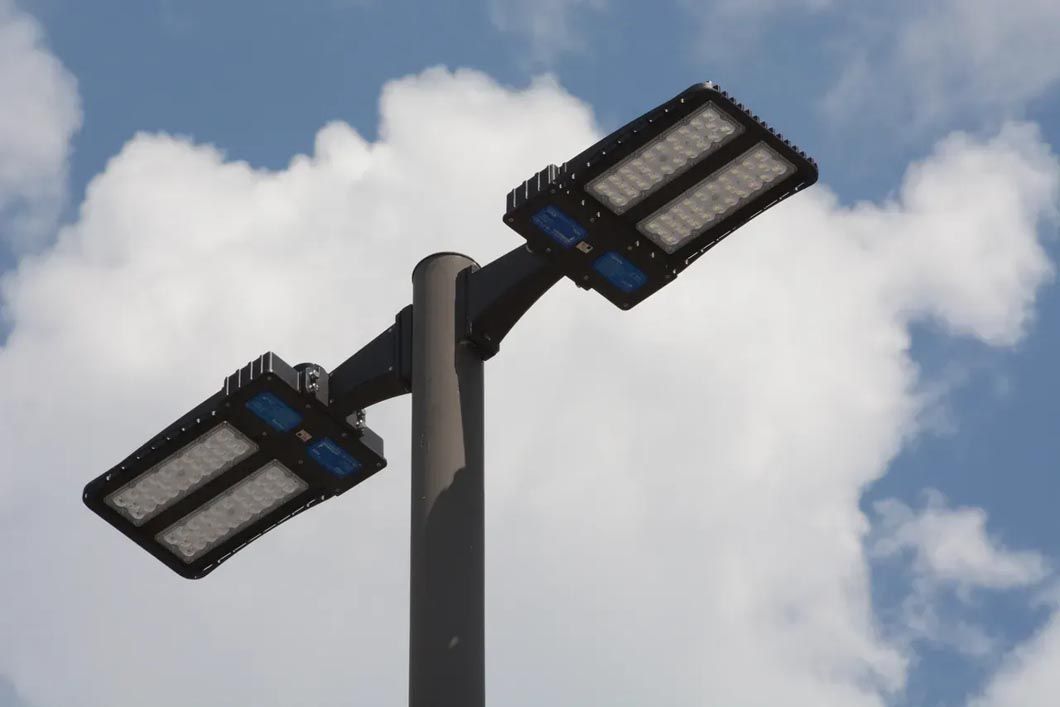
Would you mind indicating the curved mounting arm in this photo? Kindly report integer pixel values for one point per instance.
(490, 301)
(496, 296)
(381, 370)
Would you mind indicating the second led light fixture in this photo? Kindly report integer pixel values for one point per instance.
(627, 215)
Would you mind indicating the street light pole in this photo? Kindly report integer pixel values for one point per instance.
(623, 217)
(446, 619)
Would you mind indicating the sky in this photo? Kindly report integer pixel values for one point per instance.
(818, 470)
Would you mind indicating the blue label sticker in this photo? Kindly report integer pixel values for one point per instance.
(332, 457)
(620, 272)
(275, 412)
(561, 227)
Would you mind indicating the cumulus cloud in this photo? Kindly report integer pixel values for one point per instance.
(950, 554)
(744, 19)
(547, 25)
(688, 505)
(1029, 677)
(951, 546)
(908, 67)
(41, 113)
(933, 62)
(8, 696)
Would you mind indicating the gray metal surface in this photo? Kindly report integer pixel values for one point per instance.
(446, 631)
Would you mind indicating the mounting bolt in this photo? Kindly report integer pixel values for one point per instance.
(312, 379)
(359, 420)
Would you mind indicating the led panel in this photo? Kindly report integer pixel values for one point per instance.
(667, 156)
(166, 483)
(231, 511)
(715, 197)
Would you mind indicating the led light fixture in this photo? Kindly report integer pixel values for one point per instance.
(260, 451)
(627, 215)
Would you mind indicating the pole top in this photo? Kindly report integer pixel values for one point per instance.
(443, 254)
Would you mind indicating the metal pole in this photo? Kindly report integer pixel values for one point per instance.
(446, 622)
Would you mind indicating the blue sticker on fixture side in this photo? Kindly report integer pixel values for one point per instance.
(275, 412)
(621, 273)
(328, 454)
(559, 226)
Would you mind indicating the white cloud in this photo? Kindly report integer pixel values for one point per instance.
(720, 18)
(964, 60)
(951, 554)
(1029, 677)
(8, 696)
(952, 546)
(907, 66)
(680, 521)
(546, 25)
(41, 113)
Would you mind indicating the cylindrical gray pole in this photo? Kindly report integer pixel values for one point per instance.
(446, 622)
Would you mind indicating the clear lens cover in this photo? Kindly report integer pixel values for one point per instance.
(714, 198)
(202, 530)
(179, 474)
(664, 158)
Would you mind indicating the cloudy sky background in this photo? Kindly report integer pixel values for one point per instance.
(819, 470)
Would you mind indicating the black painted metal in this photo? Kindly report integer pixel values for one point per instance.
(496, 296)
(564, 187)
(381, 370)
(267, 373)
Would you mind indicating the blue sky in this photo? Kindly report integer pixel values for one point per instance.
(907, 440)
